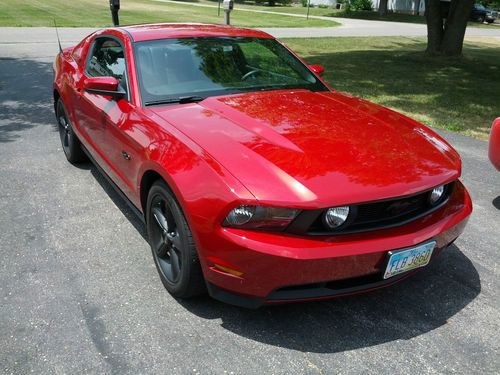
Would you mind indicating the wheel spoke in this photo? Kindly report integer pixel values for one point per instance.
(160, 219)
(174, 239)
(66, 138)
(162, 250)
(175, 263)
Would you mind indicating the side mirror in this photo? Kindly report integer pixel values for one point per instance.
(318, 69)
(108, 86)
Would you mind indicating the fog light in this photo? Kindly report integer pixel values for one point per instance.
(240, 215)
(436, 194)
(336, 216)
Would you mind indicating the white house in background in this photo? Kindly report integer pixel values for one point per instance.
(403, 6)
(399, 6)
(330, 3)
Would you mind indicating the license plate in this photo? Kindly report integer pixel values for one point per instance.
(406, 260)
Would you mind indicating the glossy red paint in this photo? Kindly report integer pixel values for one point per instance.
(295, 149)
(494, 146)
(318, 69)
(101, 83)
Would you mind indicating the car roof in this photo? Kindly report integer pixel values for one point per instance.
(155, 31)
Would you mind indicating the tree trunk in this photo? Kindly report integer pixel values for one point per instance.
(454, 33)
(382, 7)
(434, 26)
(446, 36)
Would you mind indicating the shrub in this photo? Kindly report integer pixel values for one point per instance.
(361, 5)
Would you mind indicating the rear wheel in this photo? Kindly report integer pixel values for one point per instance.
(172, 244)
(69, 141)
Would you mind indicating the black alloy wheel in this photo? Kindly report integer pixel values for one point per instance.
(69, 141)
(171, 242)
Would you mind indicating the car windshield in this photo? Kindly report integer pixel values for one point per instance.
(173, 70)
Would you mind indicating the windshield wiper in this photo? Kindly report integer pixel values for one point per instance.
(180, 100)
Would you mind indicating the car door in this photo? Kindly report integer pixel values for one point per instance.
(105, 58)
(102, 117)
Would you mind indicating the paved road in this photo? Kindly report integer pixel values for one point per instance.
(23, 41)
(79, 292)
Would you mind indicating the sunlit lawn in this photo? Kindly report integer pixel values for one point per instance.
(95, 13)
(456, 94)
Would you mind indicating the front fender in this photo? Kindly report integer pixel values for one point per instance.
(204, 189)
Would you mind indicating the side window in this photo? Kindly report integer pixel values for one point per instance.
(107, 59)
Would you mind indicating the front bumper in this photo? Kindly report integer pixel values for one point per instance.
(250, 268)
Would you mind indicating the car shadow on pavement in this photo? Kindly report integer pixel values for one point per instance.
(416, 306)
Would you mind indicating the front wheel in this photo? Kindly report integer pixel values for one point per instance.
(69, 141)
(172, 244)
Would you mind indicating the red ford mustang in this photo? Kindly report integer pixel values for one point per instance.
(256, 180)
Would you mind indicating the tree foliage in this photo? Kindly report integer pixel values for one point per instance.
(361, 5)
(492, 4)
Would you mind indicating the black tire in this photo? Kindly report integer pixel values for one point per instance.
(69, 141)
(172, 244)
(480, 19)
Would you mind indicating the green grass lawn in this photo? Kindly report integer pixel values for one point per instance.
(456, 94)
(95, 13)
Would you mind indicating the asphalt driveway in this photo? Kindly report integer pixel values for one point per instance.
(79, 292)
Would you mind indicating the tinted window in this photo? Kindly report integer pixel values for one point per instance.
(172, 68)
(107, 59)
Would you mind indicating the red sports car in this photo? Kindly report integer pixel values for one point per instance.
(494, 148)
(255, 179)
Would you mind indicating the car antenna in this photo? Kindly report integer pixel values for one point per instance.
(58, 40)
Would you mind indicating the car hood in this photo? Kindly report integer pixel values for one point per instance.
(312, 149)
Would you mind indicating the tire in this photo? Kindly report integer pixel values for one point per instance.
(69, 141)
(172, 244)
(480, 19)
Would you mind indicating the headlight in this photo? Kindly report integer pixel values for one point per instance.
(336, 216)
(260, 217)
(436, 194)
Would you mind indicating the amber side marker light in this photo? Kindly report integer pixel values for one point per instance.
(227, 270)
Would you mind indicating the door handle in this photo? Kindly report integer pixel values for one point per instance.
(125, 155)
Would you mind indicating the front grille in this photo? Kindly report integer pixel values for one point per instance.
(390, 210)
(371, 215)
